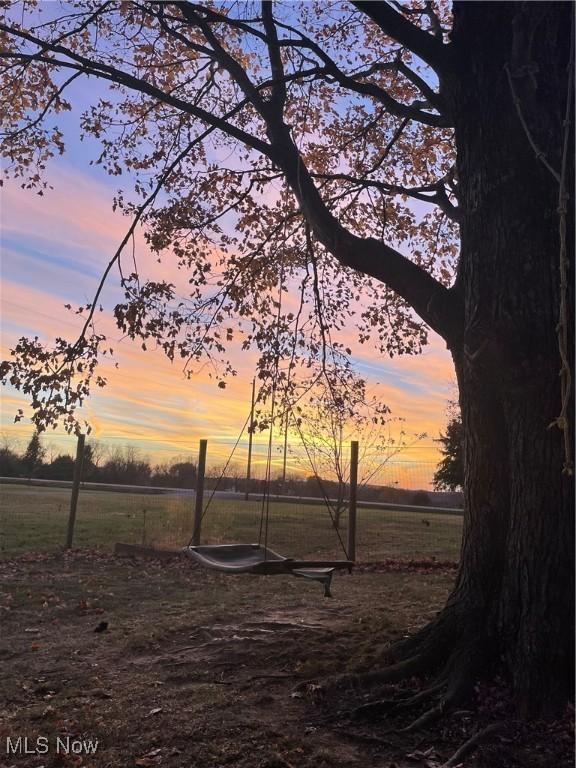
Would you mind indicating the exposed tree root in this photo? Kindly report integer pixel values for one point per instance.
(372, 709)
(413, 666)
(432, 641)
(447, 648)
(362, 738)
(472, 743)
(359, 681)
(430, 716)
(414, 656)
(460, 674)
(427, 693)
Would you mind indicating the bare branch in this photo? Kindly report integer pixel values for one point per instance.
(369, 256)
(278, 98)
(435, 193)
(432, 301)
(223, 57)
(434, 99)
(428, 10)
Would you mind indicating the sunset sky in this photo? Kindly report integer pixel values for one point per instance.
(54, 249)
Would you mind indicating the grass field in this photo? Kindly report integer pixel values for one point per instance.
(35, 519)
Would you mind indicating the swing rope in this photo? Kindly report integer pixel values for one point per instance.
(219, 480)
(265, 501)
(265, 510)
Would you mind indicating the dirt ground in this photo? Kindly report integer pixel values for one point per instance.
(165, 664)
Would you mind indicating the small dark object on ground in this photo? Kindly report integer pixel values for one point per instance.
(102, 627)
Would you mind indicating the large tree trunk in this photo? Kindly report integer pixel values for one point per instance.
(514, 596)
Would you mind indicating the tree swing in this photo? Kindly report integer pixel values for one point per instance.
(258, 558)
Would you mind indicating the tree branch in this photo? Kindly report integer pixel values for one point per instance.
(434, 99)
(278, 97)
(429, 48)
(222, 56)
(201, 16)
(115, 75)
(365, 88)
(435, 304)
(430, 299)
(435, 194)
(428, 10)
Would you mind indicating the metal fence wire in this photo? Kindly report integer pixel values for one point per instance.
(399, 516)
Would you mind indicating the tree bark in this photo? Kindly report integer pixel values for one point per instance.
(515, 588)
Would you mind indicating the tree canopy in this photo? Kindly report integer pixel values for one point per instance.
(295, 160)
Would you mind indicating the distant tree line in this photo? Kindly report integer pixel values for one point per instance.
(101, 465)
(389, 494)
(316, 487)
(125, 466)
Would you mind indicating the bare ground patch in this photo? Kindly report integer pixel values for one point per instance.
(191, 668)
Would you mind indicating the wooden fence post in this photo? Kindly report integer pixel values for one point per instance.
(352, 500)
(75, 490)
(200, 472)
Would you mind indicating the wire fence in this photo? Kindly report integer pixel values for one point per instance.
(399, 515)
(35, 518)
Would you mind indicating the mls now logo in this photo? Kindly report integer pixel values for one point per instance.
(22, 745)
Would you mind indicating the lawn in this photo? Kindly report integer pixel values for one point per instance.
(35, 519)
